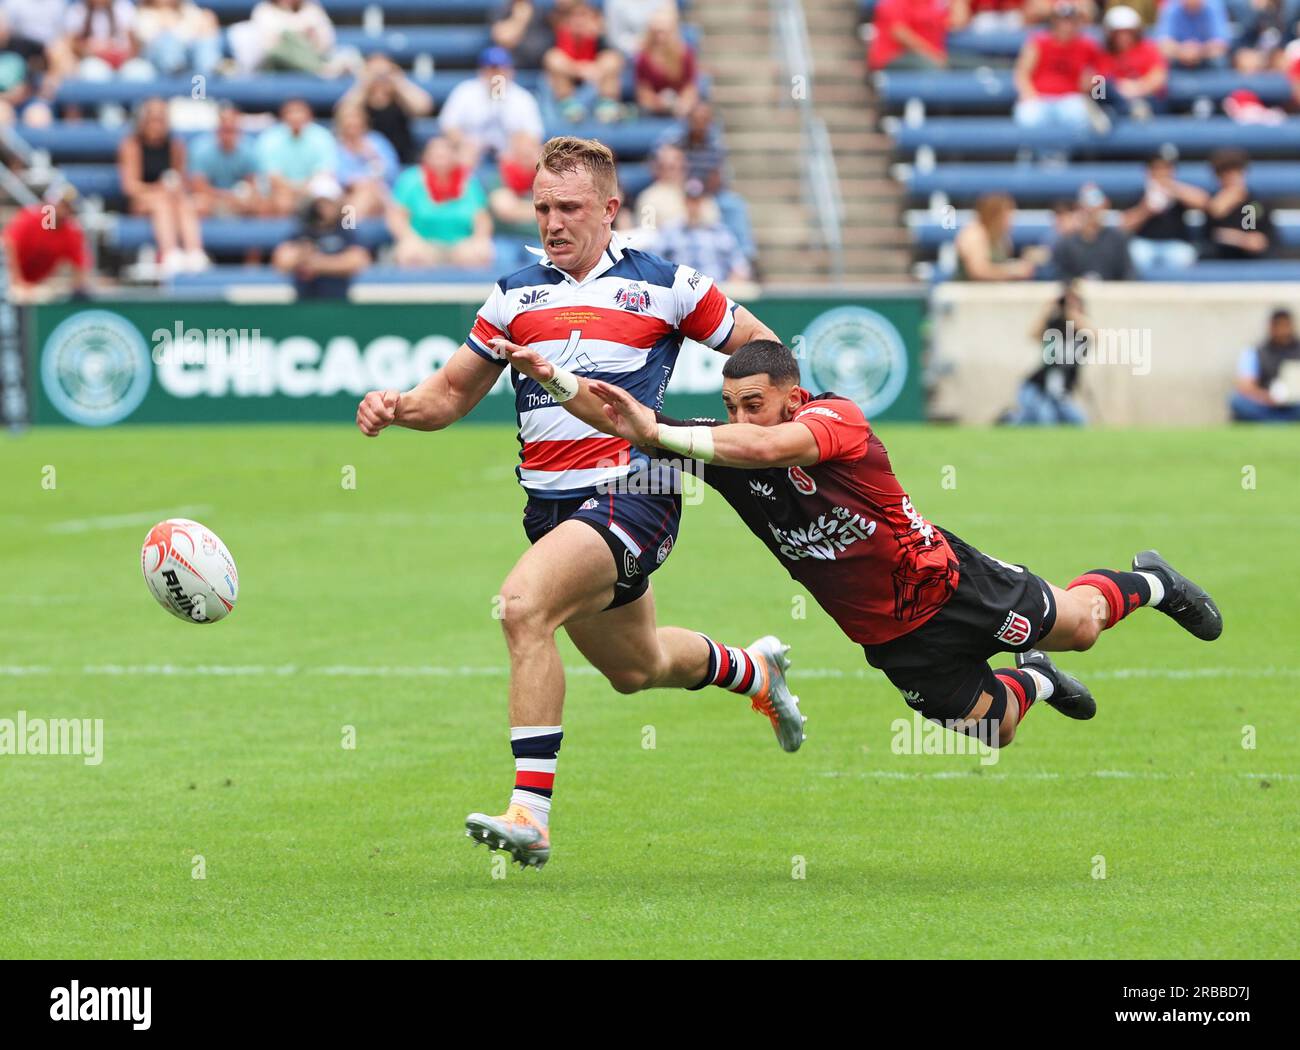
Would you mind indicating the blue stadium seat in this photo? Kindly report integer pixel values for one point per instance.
(455, 46)
(930, 233)
(997, 136)
(1121, 181)
(991, 90)
(1281, 270)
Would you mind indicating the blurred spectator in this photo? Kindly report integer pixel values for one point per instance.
(291, 152)
(1095, 249)
(1052, 73)
(1046, 397)
(392, 101)
(367, 163)
(151, 166)
(1264, 28)
(1194, 33)
(1292, 63)
(1238, 225)
(984, 248)
(1065, 219)
(525, 30)
(583, 71)
(1157, 225)
(99, 41)
(439, 213)
(627, 21)
(178, 37)
(703, 243)
(706, 160)
(1135, 69)
(292, 35)
(483, 112)
(323, 255)
(1268, 376)
(910, 34)
(41, 21)
(224, 170)
(42, 237)
(663, 202)
(509, 186)
(22, 77)
(666, 74)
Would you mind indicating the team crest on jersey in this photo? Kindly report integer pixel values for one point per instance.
(665, 549)
(591, 504)
(800, 480)
(1015, 629)
(633, 298)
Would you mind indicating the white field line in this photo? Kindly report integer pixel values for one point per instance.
(465, 671)
(1098, 774)
(123, 521)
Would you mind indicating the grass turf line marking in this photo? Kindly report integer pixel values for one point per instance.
(1098, 774)
(122, 521)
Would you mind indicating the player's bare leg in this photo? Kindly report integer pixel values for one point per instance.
(566, 574)
(627, 647)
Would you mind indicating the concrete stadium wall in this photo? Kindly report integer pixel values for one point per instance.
(1171, 349)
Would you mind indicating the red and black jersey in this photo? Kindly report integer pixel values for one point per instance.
(845, 528)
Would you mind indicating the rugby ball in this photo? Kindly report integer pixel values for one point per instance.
(189, 571)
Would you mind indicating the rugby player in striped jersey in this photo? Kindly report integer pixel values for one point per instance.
(601, 515)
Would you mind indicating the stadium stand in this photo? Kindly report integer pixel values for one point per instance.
(437, 43)
(954, 139)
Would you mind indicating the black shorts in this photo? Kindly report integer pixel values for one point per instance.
(639, 528)
(942, 667)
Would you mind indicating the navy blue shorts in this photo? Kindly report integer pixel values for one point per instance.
(640, 529)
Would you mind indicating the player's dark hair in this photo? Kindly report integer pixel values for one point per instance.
(763, 356)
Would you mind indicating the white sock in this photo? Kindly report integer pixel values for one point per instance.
(1043, 685)
(1157, 587)
(538, 805)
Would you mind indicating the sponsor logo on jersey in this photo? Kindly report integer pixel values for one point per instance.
(665, 549)
(1014, 630)
(800, 480)
(912, 698)
(633, 298)
(533, 298)
(695, 278)
(824, 539)
(591, 504)
(858, 353)
(631, 568)
(819, 410)
(762, 488)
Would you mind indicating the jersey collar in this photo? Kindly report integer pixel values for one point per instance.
(612, 254)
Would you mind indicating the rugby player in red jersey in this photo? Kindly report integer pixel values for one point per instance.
(605, 309)
(814, 483)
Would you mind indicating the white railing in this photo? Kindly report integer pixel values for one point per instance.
(818, 174)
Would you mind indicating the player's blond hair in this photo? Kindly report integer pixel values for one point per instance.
(566, 153)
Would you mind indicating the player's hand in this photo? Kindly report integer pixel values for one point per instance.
(630, 419)
(378, 409)
(526, 361)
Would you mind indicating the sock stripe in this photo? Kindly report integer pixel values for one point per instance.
(1109, 590)
(1021, 687)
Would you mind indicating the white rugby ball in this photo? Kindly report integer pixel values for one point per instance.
(189, 571)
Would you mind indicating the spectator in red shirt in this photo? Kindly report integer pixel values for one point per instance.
(1135, 68)
(41, 237)
(582, 59)
(1293, 70)
(910, 34)
(665, 68)
(1055, 71)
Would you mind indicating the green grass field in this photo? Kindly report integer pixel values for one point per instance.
(372, 608)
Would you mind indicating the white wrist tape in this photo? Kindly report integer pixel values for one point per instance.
(692, 442)
(562, 386)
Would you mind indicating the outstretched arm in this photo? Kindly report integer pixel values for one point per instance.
(439, 401)
(728, 445)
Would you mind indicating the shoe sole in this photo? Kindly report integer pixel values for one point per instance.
(483, 830)
(784, 702)
(1146, 561)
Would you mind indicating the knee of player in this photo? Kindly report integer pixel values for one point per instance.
(522, 616)
(1086, 634)
(1006, 734)
(632, 680)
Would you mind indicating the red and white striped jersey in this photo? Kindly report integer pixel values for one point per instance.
(623, 324)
